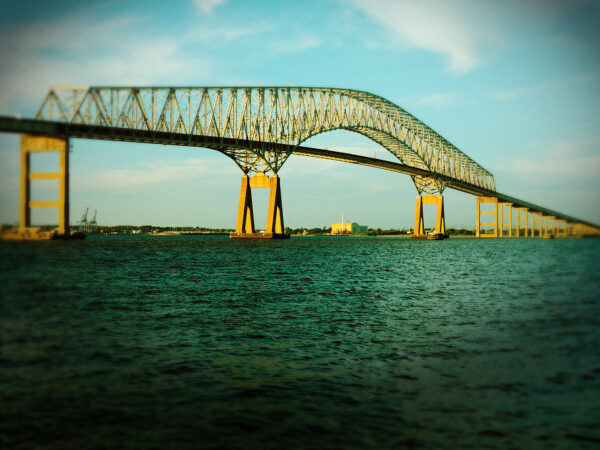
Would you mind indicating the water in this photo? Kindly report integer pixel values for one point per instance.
(204, 342)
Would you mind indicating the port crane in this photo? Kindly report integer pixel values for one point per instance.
(93, 224)
(83, 223)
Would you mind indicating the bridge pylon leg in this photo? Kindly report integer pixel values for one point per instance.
(493, 213)
(549, 225)
(560, 228)
(522, 215)
(35, 143)
(245, 216)
(245, 228)
(440, 219)
(536, 224)
(275, 210)
(25, 210)
(503, 216)
(419, 230)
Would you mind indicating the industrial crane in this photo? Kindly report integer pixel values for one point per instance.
(83, 222)
(93, 223)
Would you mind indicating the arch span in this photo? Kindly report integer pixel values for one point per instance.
(278, 115)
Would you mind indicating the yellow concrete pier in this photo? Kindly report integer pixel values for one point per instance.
(440, 220)
(245, 228)
(505, 218)
(40, 143)
(245, 216)
(494, 219)
(522, 223)
(549, 226)
(536, 224)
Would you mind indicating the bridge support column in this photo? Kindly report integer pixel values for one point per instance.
(549, 225)
(24, 210)
(245, 216)
(275, 210)
(493, 213)
(503, 216)
(522, 215)
(536, 224)
(561, 228)
(440, 220)
(34, 143)
(570, 229)
(419, 230)
(245, 228)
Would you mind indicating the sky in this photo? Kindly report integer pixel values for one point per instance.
(513, 84)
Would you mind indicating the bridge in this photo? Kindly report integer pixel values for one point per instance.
(259, 128)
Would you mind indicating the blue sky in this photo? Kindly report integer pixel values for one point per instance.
(514, 84)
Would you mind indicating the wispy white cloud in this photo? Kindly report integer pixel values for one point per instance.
(225, 33)
(151, 173)
(207, 6)
(462, 30)
(299, 43)
(436, 100)
(81, 50)
(434, 25)
(532, 89)
(561, 160)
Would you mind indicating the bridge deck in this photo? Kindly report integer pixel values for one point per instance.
(84, 131)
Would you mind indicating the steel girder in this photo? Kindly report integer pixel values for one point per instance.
(281, 115)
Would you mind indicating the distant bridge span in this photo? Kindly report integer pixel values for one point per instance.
(259, 128)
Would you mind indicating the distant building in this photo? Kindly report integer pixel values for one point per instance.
(348, 228)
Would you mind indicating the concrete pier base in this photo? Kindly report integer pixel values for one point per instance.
(245, 220)
(37, 234)
(259, 236)
(440, 220)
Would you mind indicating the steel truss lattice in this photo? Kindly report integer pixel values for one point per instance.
(281, 115)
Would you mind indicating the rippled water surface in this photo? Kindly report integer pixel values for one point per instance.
(205, 342)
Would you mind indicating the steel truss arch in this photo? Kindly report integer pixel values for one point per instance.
(286, 116)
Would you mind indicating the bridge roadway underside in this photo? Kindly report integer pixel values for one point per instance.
(84, 131)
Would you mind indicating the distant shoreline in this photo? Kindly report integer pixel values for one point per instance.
(150, 230)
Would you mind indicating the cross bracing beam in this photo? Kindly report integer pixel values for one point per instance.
(271, 115)
(42, 127)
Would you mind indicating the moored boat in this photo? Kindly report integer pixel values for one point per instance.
(437, 236)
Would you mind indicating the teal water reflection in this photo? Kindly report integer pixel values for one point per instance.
(206, 342)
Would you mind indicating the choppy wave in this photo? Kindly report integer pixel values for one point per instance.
(206, 342)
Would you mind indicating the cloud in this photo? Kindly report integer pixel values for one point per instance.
(559, 161)
(297, 44)
(523, 91)
(151, 173)
(207, 6)
(434, 100)
(515, 93)
(432, 25)
(81, 50)
(462, 31)
(225, 34)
